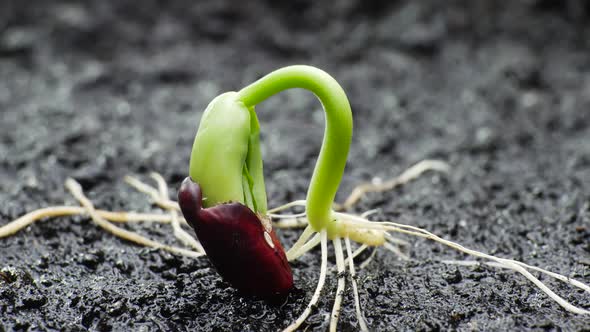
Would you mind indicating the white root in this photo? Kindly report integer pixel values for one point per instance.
(357, 252)
(296, 220)
(179, 233)
(560, 277)
(397, 241)
(291, 223)
(341, 283)
(369, 259)
(357, 302)
(76, 190)
(286, 216)
(368, 213)
(557, 276)
(395, 250)
(408, 175)
(64, 211)
(293, 255)
(288, 221)
(307, 233)
(103, 218)
(320, 286)
(508, 263)
(162, 202)
(289, 205)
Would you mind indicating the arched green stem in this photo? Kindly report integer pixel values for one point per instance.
(337, 137)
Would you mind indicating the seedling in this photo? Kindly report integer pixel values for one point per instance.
(226, 166)
(224, 200)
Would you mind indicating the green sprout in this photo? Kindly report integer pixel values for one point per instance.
(226, 158)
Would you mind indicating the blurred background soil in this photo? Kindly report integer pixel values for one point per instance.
(499, 89)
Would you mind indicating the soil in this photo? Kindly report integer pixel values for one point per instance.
(500, 90)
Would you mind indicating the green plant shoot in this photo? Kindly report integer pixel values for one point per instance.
(226, 157)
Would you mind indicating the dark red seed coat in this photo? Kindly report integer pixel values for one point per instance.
(233, 237)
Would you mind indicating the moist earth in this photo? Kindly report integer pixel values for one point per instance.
(99, 90)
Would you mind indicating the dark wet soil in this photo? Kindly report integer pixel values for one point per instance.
(500, 90)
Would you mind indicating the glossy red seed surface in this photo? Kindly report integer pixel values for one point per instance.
(234, 238)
